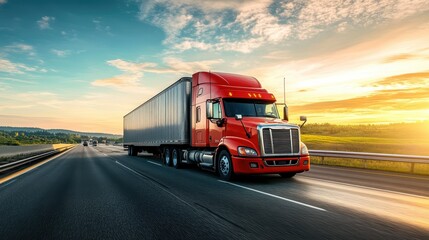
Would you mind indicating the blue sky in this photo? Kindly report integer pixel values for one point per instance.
(84, 64)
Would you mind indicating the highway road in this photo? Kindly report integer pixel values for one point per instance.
(101, 193)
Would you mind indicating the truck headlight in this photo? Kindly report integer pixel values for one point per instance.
(245, 151)
(304, 149)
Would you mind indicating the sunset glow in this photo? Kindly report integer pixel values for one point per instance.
(83, 67)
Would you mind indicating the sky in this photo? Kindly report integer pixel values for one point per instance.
(83, 65)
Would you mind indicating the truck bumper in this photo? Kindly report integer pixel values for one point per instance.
(259, 165)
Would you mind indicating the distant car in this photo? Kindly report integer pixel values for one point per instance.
(94, 143)
(85, 143)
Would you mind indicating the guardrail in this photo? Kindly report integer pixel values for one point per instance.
(15, 164)
(411, 159)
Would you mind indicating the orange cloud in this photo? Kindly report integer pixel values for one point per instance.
(405, 79)
(399, 57)
(408, 99)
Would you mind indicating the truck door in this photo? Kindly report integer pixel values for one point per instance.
(200, 130)
(216, 132)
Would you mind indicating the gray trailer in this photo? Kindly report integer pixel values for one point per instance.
(162, 120)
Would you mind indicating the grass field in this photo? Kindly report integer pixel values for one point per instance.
(404, 138)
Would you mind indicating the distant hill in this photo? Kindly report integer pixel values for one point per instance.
(54, 131)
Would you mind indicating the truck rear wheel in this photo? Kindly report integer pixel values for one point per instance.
(132, 151)
(176, 157)
(224, 166)
(167, 156)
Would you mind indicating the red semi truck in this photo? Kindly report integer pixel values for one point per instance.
(225, 123)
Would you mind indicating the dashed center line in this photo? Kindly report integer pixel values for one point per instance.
(274, 196)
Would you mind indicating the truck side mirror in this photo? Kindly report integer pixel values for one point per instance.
(286, 113)
(303, 118)
(209, 110)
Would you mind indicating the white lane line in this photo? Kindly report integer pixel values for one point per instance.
(274, 196)
(157, 185)
(369, 188)
(8, 183)
(155, 163)
(129, 169)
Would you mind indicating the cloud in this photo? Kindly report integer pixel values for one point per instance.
(133, 72)
(60, 53)
(405, 79)
(100, 27)
(388, 100)
(244, 46)
(20, 48)
(15, 80)
(8, 66)
(44, 22)
(400, 57)
(178, 65)
(221, 25)
(11, 67)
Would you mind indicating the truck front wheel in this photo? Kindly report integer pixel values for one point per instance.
(224, 166)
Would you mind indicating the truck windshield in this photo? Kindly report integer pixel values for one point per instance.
(250, 108)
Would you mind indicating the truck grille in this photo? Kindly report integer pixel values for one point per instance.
(274, 163)
(280, 141)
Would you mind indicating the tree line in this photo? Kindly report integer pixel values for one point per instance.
(17, 138)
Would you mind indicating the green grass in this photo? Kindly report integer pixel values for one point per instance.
(408, 139)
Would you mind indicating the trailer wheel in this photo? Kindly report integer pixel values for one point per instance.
(132, 151)
(167, 156)
(176, 158)
(287, 175)
(225, 166)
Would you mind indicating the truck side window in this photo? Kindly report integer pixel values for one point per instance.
(217, 113)
(198, 113)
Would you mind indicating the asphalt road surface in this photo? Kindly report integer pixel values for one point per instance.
(100, 193)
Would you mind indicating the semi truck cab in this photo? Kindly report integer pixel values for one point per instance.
(236, 116)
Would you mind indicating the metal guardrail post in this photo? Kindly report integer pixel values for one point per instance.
(364, 156)
(371, 156)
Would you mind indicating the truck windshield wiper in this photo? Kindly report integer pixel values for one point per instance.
(267, 115)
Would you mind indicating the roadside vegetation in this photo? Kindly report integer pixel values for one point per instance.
(40, 137)
(18, 138)
(401, 138)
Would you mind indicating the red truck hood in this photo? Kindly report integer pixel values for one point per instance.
(254, 122)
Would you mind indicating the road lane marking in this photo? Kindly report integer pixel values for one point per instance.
(369, 188)
(155, 163)
(32, 167)
(274, 196)
(7, 184)
(157, 184)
